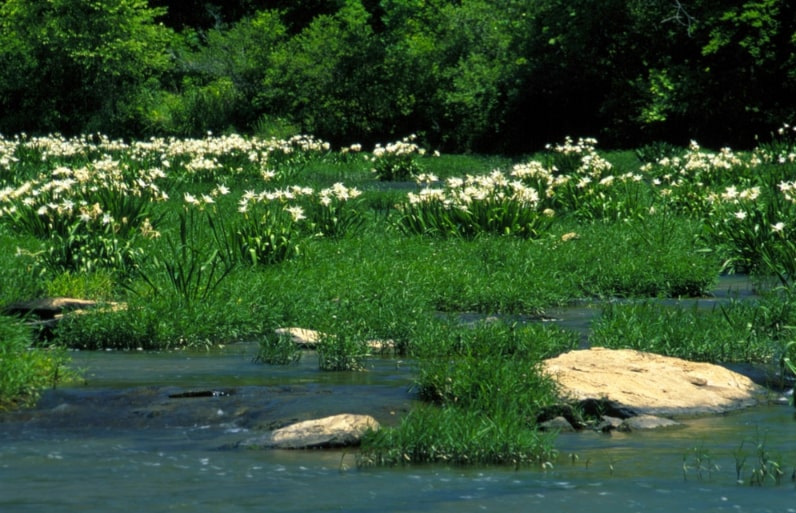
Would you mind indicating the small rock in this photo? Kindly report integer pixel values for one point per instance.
(336, 431)
(48, 307)
(609, 423)
(309, 339)
(593, 407)
(561, 410)
(646, 422)
(301, 336)
(560, 424)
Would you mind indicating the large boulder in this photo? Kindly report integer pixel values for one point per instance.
(651, 384)
(336, 431)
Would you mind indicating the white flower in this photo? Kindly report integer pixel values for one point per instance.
(777, 228)
(296, 212)
(191, 199)
(741, 215)
(426, 178)
(454, 182)
(730, 193)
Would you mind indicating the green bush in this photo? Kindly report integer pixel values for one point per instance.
(473, 206)
(397, 161)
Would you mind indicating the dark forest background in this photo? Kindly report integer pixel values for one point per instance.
(468, 75)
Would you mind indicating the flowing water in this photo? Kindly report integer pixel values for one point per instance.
(137, 436)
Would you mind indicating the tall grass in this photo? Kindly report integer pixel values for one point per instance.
(736, 332)
(486, 390)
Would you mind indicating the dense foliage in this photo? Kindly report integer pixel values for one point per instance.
(493, 75)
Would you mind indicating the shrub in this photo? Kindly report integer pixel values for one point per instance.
(335, 212)
(89, 217)
(342, 350)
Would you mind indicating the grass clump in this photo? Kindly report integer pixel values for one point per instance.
(277, 349)
(26, 371)
(456, 436)
(752, 331)
(482, 389)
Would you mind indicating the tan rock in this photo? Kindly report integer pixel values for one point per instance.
(301, 336)
(309, 339)
(650, 383)
(646, 422)
(336, 431)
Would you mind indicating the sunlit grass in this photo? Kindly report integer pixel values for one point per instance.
(247, 235)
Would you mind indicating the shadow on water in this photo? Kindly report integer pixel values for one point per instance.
(148, 429)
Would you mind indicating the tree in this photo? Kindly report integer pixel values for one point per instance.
(72, 65)
(328, 79)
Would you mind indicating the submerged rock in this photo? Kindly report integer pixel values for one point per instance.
(559, 424)
(336, 431)
(646, 422)
(651, 384)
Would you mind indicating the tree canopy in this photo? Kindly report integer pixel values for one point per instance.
(467, 75)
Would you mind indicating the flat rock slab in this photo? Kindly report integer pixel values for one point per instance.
(651, 384)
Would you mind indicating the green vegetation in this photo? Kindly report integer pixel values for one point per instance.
(740, 331)
(244, 235)
(493, 76)
(488, 392)
(25, 372)
(388, 241)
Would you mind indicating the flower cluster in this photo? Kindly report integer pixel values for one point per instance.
(574, 178)
(104, 194)
(186, 160)
(578, 158)
(87, 216)
(397, 160)
(465, 207)
(752, 226)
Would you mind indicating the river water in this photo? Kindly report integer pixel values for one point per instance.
(126, 439)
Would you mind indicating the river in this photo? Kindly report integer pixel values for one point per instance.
(129, 439)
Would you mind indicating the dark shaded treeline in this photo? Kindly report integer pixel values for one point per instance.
(480, 75)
